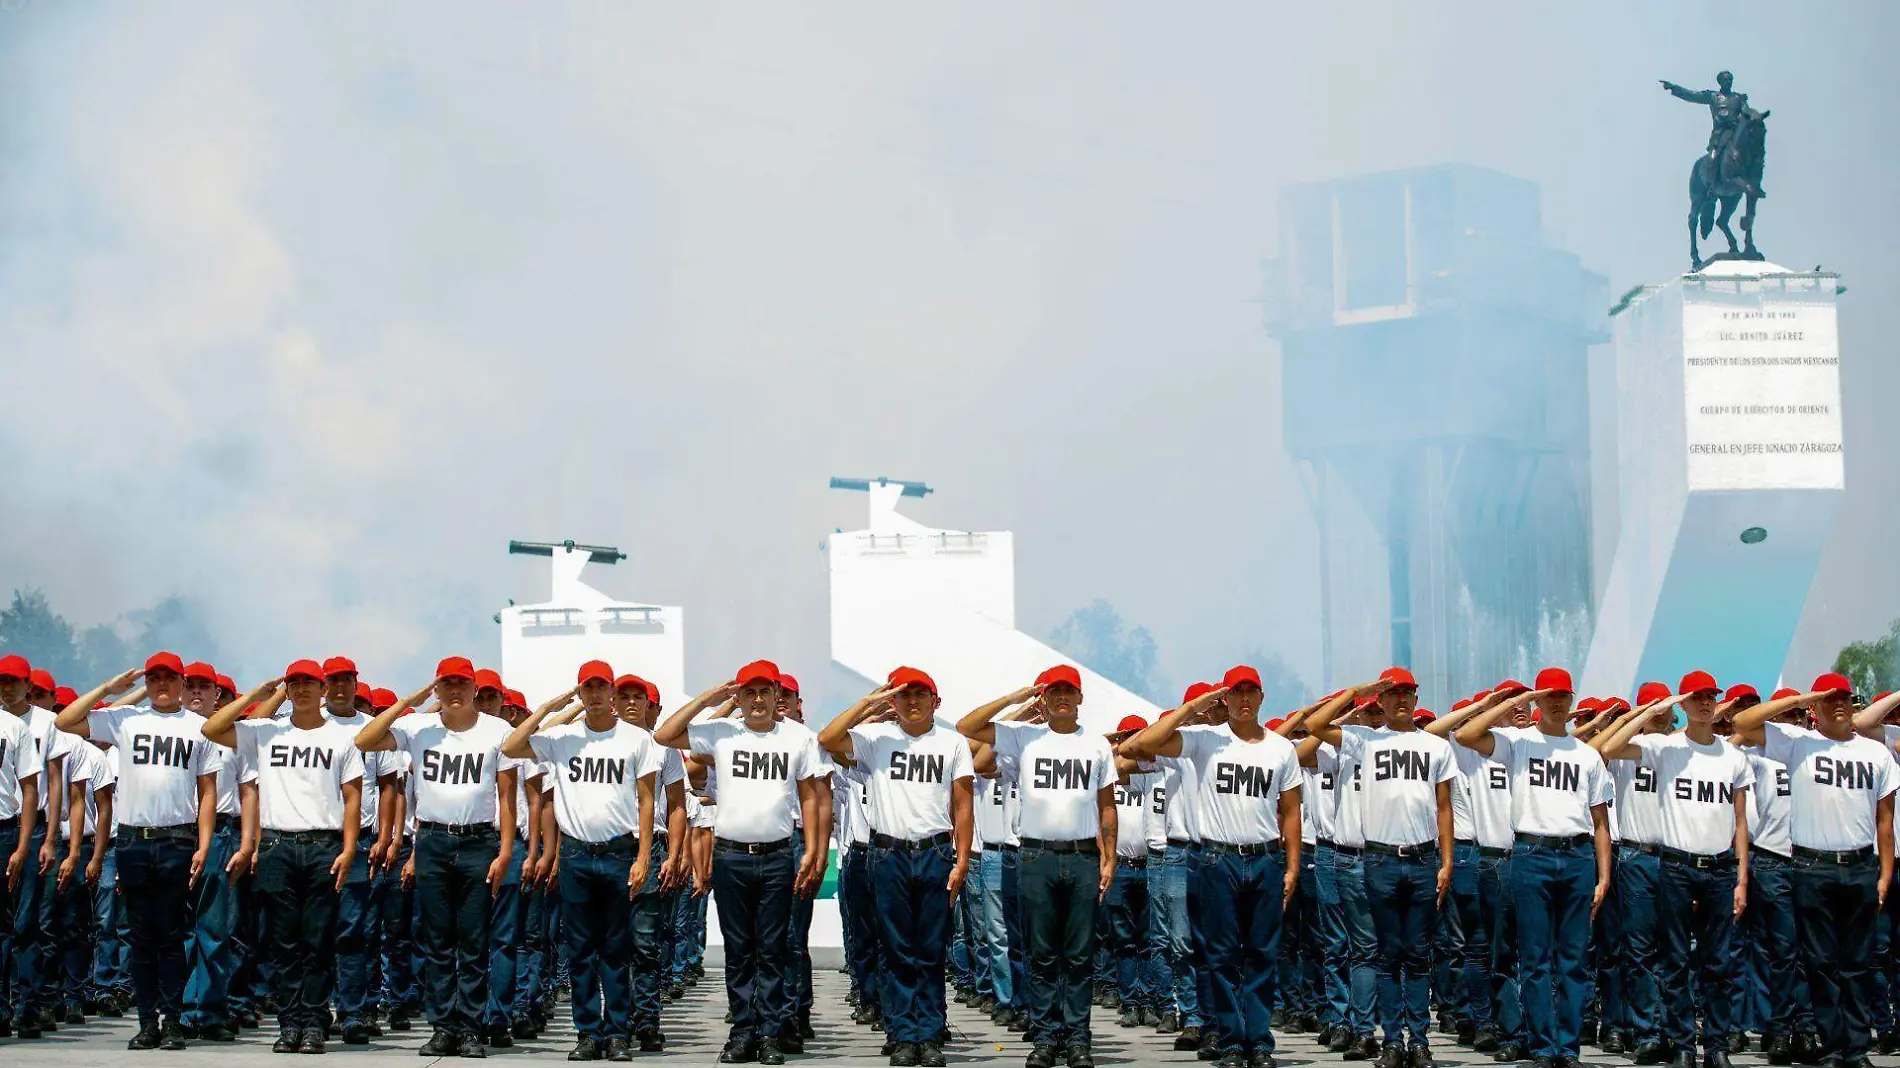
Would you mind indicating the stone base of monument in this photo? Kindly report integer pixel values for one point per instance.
(1727, 435)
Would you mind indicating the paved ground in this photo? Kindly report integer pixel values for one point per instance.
(695, 1033)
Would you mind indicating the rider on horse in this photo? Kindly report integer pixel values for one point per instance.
(1727, 109)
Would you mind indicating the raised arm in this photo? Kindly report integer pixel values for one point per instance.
(1618, 742)
(1323, 723)
(1445, 724)
(1476, 733)
(1749, 721)
(977, 726)
(517, 744)
(375, 736)
(1868, 720)
(1163, 736)
(1693, 96)
(72, 718)
(836, 737)
(222, 726)
(672, 733)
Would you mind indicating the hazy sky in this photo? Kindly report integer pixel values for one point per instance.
(306, 309)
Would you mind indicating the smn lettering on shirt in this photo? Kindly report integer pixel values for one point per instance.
(1644, 782)
(597, 769)
(1714, 793)
(453, 768)
(1242, 779)
(917, 767)
(163, 751)
(750, 765)
(302, 756)
(1846, 774)
(1553, 774)
(1066, 774)
(1400, 764)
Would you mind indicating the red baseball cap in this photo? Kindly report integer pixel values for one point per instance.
(41, 679)
(1479, 696)
(365, 694)
(1554, 678)
(1590, 704)
(1131, 723)
(225, 683)
(1275, 723)
(790, 682)
(629, 681)
(1241, 675)
(1617, 705)
(65, 695)
(1060, 675)
(202, 671)
(304, 669)
(1399, 677)
(514, 699)
(455, 667)
(381, 699)
(1422, 717)
(592, 671)
(653, 692)
(488, 679)
(757, 671)
(1739, 691)
(1785, 691)
(338, 665)
(1833, 682)
(1462, 702)
(1698, 682)
(14, 666)
(164, 662)
(1509, 687)
(1196, 690)
(1652, 691)
(906, 677)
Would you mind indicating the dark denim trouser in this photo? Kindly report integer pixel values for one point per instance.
(154, 881)
(1167, 892)
(1132, 949)
(1241, 902)
(211, 953)
(355, 936)
(594, 922)
(1698, 929)
(1496, 895)
(645, 932)
(1470, 927)
(913, 911)
(1837, 909)
(1059, 893)
(753, 893)
(1553, 887)
(452, 920)
(1404, 894)
(300, 926)
(1636, 960)
(858, 902)
(507, 922)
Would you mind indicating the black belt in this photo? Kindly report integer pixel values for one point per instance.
(1007, 848)
(1755, 851)
(1493, 851)
(1699, 861)
(1181, 843)
(1404, 852)
(859, 847)
(1133, 862)
(1642, 847)
(1047, 845)
(620, 843)
(1463, 841)
(1842, 857)
(459, 830)
(1547, 841)
(228, 823)
(1250, 849)
(10, 824)
(751, 849)
(179, 832)
(313, 837)
(1348, 851)
(910, 845)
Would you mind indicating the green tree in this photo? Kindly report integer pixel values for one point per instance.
(1873, 666)
(175, 623)
(30, 627)
(1095, 635)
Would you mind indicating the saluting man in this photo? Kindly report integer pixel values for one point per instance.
(464, 794)
(1841, 788)
(761, 767)
(166, 804)
(19, 809)
(604, 772)
(1703, 784)
(919, 779)
(1560, 864)
(309, 779)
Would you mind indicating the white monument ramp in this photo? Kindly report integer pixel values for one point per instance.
(544, 644)
(943, 601)
(1729, 466)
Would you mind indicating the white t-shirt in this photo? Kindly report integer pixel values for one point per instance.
(1638, 804)
(86, 764)
(1488, 791)
(996, 812)
(300, 773)
(528, 779)
(52, 744)
(1402, 770)
(1555, 782)
(375, 766)
(700, 812)
(672, 770)
(1241, 784)
(1059, 778)
(755, 775)
(1318, 801)
(1157, 810)
(164, 754)
(1698, 787)
(228, 769)
(454, 773)
(826, 766)
(1180, 784)
(596, 777)
(1834, 787)
(1769, 805)
(909, 778)
(1132, 802)
(19, 760)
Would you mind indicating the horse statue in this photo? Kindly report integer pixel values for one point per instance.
(1729, 175)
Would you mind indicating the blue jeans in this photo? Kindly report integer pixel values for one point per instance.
(35, 927)
(153, 882)
(355, 937)
(1059, 893)
(1240, 918)
(1837, 910)
(1129, 944)
(857, 903)
(1638, 883)
(913, 910)
(73, 907)
(1496, 896)
(532, 961)
(452, 920)
(1554, 886)
(994, 934)
(1469, 928)
(645, 932)
(1404, 893)
(594, 911)
(1361, 941)
(507, 913)
(397, 919)
(753, 893)
(1173, 936)
(211, 953)
(1698, 929)
(300, 902)
(1301, 953)
(798, 942)
(110, 963)
(692, 933)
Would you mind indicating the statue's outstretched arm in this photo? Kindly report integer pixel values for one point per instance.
(1693, 96)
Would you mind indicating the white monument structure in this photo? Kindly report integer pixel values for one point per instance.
(1727, 445)
(544, 644)
(943, 601)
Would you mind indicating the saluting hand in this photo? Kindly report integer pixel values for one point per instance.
(125, 680)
